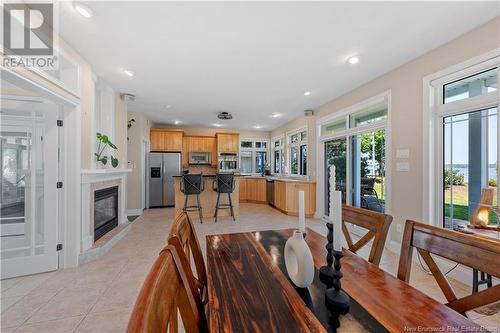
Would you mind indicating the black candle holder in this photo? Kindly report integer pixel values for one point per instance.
(336, 299)
(326, 272)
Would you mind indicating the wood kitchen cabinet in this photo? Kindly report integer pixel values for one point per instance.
(228, 142)
(198, 144)
(165, 140)
(286, 197)
(253, 190)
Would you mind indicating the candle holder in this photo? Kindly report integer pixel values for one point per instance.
(335, 298)
(326, 272)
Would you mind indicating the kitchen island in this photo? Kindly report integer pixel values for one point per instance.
(208, 198)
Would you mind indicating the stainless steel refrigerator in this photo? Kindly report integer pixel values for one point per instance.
(162, 168)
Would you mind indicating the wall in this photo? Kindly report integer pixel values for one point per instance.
(120, 133)
(138, 133)
(406, 84)
(297, 123)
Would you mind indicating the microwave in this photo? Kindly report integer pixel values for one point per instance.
(199, 158)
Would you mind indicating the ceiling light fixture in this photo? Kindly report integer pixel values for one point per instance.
(276, 115)
(353, 60)
(217, 124)
(129, 72)
(307, 93)
(168, 106)
(83, 10)
(177, 122)
(257, 126)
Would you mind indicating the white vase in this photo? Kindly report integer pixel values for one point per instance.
(299, 261)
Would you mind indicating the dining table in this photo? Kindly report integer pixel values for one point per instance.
(249, 291)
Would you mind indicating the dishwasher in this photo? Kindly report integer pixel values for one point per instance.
(270, 192)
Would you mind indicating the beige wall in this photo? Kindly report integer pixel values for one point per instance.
(406, 84)
(297, 123)
(138, 133)
(120, 136)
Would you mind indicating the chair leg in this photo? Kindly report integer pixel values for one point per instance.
(185, 202)
(231, 206)
(199, 208)
(217, 206)
(475, 282)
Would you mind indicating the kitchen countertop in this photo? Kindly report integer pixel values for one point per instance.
(207, 175)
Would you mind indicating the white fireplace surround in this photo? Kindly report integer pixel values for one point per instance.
(97, 179)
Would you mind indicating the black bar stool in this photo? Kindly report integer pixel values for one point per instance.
(192, 185)
(224, 183)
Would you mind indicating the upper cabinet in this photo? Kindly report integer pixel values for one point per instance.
(165, 140)
(228, 142)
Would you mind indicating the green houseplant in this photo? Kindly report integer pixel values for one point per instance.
(103, 143)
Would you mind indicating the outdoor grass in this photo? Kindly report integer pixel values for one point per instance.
(460, 204)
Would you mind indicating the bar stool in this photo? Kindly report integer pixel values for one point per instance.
(192, 184)
(224, 183)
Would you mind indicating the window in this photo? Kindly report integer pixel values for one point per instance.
(474, 85)
(254, 156)
(369, 115)
(333, 127)
(298, 152)
(278, 156)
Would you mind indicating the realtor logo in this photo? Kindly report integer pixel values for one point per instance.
(28, 35)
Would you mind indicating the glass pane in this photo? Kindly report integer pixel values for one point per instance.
(246, 144)
(475, 85)
(333, 127)
(294, 138)
(370, 115)
(278, 143)
(246, 162)
(260, 161)
(368, 170)
(470, 165)
(335, 154)
(303, 136)
(294, 160)
(260, 144)
(303, 160)
(277, 161)
(67, 73)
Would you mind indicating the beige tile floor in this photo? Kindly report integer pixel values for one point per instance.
(99, 296)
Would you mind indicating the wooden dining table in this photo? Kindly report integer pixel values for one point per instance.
(249, 291)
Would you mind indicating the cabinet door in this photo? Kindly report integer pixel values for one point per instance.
(261, 190)
(243, 190)
(279, 194)
(292, 198)
(156, 140)
(252, 189)
(173, 141)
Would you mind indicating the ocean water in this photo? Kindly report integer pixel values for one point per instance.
(492, 172)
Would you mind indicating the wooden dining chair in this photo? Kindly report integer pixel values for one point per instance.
(169, 289)
(475, 252)
(377, 225)
(183, 237)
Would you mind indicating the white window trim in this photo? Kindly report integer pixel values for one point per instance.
(321, 139)
(288, 147)
(280, 148)
(433, 113)
(253, 150)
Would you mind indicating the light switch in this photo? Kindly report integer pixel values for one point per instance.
(403, 153)
(403, 166)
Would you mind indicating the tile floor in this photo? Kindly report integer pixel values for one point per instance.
(99, 296)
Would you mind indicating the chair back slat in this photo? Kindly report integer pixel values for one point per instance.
(192, 183)
(183, 229)
(225, 182)
(167, 290)
(475, 252)
(377, 225)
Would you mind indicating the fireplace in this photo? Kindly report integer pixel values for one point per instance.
(105, 211)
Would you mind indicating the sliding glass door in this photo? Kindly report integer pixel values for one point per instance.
(336, 154)
(470, 148)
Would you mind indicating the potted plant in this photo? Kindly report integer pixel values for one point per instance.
(103, 143)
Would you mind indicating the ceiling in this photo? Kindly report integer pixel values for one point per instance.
(192, 60)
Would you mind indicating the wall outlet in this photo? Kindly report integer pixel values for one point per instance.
(398, 228)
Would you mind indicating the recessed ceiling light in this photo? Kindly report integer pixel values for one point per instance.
(276, 115)
(217, 124)
(177, 122)
(307, 93)
(257, 126)
(129, 72)
(353, 60)
(168, 106)
(83, 10)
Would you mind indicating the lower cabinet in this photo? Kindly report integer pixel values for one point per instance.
(253, 190)
(286, 197)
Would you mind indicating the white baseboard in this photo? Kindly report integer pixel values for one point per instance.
(134, 212)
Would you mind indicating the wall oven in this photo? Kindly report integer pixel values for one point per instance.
(228, 162)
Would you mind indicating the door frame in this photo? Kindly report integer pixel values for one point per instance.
(69, 197)
(434, 112)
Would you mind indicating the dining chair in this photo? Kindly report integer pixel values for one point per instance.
(377, 225)
(183, 237)
(168, 290)
(475, 252)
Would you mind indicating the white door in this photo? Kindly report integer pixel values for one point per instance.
(29, 144)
